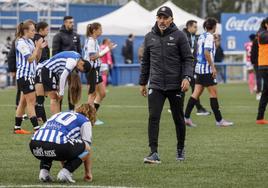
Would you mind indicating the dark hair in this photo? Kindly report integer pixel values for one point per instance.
(210, 23)
(105, 40)
(190, 23)
(92, 27)
(67, 18)
(22, 27)
(130, 35)
(264, 21)
(41, 25)
(252, 37)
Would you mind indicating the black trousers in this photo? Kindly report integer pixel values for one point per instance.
(264, 96)
(258, 79)
(156, 100)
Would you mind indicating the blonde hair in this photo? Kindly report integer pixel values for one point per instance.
(88, 111)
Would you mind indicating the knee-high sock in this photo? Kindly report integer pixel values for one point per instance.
(215, 108)
(191, 102)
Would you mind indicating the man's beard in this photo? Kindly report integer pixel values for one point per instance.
(162, 27)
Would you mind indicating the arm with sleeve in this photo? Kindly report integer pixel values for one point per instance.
(187, 56)
(56, 44)
(86, 132)
(145, 65)
(70, 65)
(23, 48)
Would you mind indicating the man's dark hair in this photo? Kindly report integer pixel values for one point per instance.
(130, 35)
(264, 21)
(209, 23)
(41, 25)
(252, 37)
(67, 18)
(190, 23)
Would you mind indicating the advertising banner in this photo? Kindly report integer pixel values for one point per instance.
(236, 29)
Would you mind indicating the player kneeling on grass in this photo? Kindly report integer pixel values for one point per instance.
(65, 137)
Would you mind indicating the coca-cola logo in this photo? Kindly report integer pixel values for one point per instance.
(249, 24)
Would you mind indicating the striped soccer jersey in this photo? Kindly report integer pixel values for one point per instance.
(92, 47)
(63, 60)
(24, 49)
(63, 127)
(205, 42)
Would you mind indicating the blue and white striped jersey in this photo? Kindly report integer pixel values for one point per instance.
(24, 49)
(63, 127)
(63, 60)
(205, 42)
(92, 47)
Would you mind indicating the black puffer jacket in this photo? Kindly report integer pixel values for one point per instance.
(66, 41)
(167, 59)
(192, 46)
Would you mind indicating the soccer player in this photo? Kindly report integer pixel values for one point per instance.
(65, 137)
(206, 74)
(27, 54)
(93, 53)
(54, 75)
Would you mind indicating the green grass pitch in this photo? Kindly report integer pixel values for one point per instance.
(215, 157)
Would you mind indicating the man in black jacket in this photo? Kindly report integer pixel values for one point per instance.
(190, 31)
(168, 66)
(67, 40)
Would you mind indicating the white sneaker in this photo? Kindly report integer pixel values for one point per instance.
(65, 176)
(224, 123)
(189, 123)
(258, 96)
(44, 176)
(99, 122)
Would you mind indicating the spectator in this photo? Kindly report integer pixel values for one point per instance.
(251, 76)
(106, 61)
(219, 57)
(127, 49)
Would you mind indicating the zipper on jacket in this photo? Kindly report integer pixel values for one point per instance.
(163, 60)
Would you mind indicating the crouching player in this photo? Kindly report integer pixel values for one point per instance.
(65, 137)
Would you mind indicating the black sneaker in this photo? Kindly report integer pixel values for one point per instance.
(203, 112)
(180, 155)
(152, 158)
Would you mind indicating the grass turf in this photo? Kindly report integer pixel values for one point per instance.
(215, 157)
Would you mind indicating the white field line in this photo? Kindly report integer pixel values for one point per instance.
(60, 186)
(128, 106)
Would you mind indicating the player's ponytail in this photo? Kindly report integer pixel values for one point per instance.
(91, 28)
(75, 88)
(88, 111)
(22, 27)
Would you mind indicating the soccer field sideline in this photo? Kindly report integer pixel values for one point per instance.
(60, 186)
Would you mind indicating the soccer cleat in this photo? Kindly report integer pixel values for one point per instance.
(202, 112)
(152, 158)
(65, 176)
(189, 123)
(224, 123)
(98, 122)
(180, 155)
(261, 121)
(21, 131)
(44, 176)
